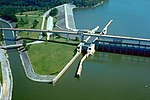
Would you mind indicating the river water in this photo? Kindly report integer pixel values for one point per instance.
(105, 76)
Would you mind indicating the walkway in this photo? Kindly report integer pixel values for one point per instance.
(49, 26)
(43, 22)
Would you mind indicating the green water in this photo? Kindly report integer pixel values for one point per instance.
(105, 76)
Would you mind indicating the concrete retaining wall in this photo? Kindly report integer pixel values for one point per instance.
(1, 90)
(6, 73)
(66, 67)
(29, 70)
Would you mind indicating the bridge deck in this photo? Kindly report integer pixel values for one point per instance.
(77, 33)
(105, 42)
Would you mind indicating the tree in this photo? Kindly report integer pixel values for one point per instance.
(24, 43)
(26, 15)
(8, 13)
(44, 34)
(15, 6)
(35, 22)
(21, 13)
(27, 47)
(58, 35)
(77, 39)
(10, 17)
(53, 12)
(22, 22)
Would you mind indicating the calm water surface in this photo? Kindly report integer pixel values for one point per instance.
(105, 76)
(131, 17)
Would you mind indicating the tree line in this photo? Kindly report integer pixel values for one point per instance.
(8, 8)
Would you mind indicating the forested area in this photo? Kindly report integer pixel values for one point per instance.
(8, 8)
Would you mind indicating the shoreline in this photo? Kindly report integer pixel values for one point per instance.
(54, 79)
(44, 78)
(30, 73)
(85, 7)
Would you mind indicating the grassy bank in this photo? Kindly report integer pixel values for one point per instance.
(47, 58)
(50, 58)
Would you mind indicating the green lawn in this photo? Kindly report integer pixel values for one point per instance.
(0, 43)
(50, 58)
(47, 58)
(32, 15)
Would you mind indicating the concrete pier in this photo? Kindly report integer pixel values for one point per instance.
(65, 68)
(79, 70)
